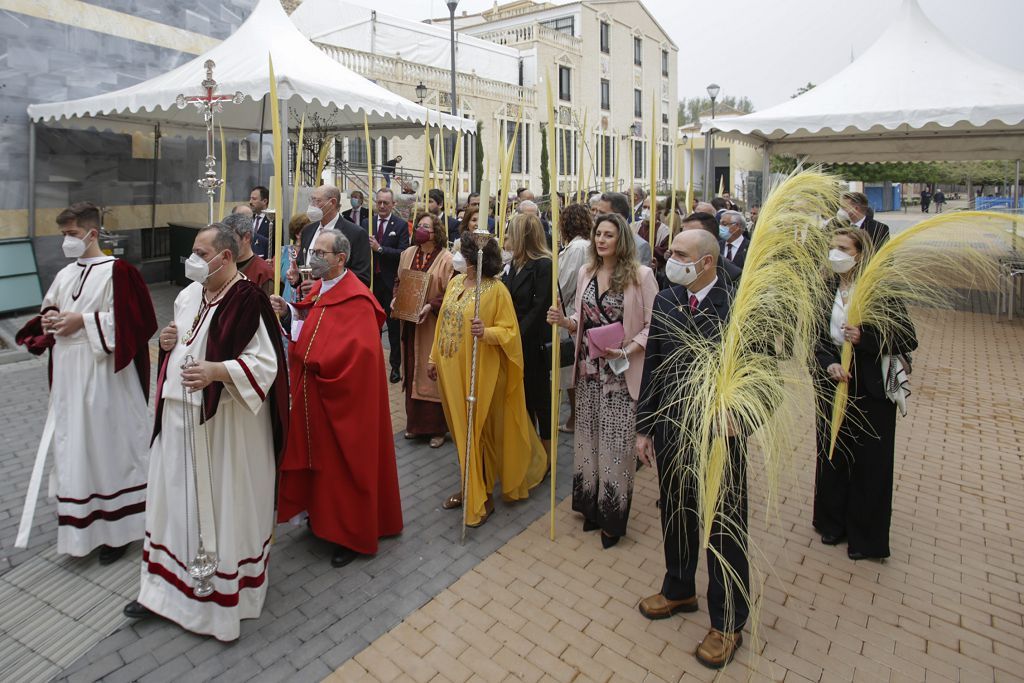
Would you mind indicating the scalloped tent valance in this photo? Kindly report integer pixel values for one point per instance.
(307, 79)
(914, 95)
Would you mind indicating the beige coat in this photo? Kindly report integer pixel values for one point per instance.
(423, 388)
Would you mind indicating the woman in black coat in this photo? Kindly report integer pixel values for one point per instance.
(528, 279)
(853, 490)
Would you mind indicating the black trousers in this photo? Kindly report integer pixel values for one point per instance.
(384, 294)
(853, 490)
(728, 581)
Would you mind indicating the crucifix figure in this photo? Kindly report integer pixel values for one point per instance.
(209, 103)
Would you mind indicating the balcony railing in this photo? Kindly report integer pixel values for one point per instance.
(381, 67)
(529, 33)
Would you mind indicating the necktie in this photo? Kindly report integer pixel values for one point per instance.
(693, 303)
(728, 254)
(380, 238)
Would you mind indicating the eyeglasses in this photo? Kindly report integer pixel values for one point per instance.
(319, 253)
(729, 225)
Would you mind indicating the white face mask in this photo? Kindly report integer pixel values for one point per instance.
(840, 261)
(645, 214)
(506, 256)
(74, 247)
(681, 273)
(843, 215)
(314, 213)
(198, 270)
(459, 262)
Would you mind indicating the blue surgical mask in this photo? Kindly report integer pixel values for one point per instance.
(356, 202)
(724, 232)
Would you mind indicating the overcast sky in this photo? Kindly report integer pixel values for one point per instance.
(766, 49)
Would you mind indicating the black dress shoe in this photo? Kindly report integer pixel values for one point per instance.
(111, 554)
(833, 539)
(590, 526)
(395, 376)
(608, 541)
(343, 556)
(857, 555)
(136, 610)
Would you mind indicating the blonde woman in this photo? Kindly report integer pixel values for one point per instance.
(612, 288)
(528, 280)
(853, 488)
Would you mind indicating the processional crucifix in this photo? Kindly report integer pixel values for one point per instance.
(209, 103)
(202, 567)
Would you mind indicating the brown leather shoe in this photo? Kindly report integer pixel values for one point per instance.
(658, 606)
(717, 649)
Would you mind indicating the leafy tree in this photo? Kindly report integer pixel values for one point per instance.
(802, 89)
(545, 176)
(479, 174)
(691, 109)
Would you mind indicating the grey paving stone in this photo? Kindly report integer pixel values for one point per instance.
(244, 671)
(97, 669)
(282, 670)
(276, 649)
(133, 671)
(310, 650)
(312, 672)
(170, 671)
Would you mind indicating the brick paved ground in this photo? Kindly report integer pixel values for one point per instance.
(945, 607)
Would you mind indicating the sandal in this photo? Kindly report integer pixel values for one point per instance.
(488, 511)
(453, 502)
(437, 442)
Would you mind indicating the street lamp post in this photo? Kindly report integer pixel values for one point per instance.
(452, 4)
(709, 147)
(421, 92)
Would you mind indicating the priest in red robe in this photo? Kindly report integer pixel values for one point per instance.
(339, 463)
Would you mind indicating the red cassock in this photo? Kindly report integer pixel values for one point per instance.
(339, 464)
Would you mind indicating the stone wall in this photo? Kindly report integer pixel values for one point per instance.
(54, 59)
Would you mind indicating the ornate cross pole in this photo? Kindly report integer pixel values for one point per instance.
(209, 103)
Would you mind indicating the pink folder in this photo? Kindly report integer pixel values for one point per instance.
(604, 337)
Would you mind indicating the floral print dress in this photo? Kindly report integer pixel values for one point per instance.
(605, 446)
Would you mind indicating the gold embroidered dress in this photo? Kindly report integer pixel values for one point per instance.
(505, 445)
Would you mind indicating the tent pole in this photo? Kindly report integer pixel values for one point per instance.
(766, 172)
(1016, 186)
(156, 169)
(708, 173)
(259, 154)
(31, 203)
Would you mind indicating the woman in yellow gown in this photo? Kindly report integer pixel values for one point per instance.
(505, 446)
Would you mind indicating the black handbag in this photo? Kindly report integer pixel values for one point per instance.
(567, 346)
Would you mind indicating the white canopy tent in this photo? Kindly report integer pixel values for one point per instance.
(307, 80)
(914, 95)
(345, 24)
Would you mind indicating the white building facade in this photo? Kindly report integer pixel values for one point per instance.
(614, 75)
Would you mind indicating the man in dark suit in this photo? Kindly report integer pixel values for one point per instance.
(324, 208)
(389, 237)
(698, 304)
(855, 206)
(262, 224)
(358, 213)
(435, 205)
(734, 239)
(728, 271)
(473, 202)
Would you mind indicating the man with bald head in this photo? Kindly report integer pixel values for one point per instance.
(697, 304)
(323, 211)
